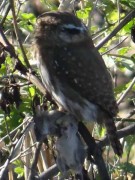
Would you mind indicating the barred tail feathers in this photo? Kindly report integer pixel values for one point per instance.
(112, 135)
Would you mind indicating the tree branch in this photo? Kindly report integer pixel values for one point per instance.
(114, 46)
(6, 13)
(128, 18)
(34, 163)
(17, 34)
(50, 172)
(95, 151)
(129, 130)
(19, 66)
(126, 91)
(53, 170)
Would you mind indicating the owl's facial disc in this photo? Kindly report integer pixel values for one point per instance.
(71, 33)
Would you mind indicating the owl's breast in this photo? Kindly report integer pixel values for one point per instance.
(66, 96)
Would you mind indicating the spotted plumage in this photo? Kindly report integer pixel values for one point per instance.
(74, 72)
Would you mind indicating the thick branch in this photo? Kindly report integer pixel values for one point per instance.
(94, 150)
(50, 172)
(34, 163)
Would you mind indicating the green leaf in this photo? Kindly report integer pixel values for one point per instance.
(119, 89)
(83, 13)
(2, 70)
(128, 26)
(19, 171)
(27, 16)
(32, 91)
(130, 142)
(127, 167)
(123, 50)
(128, 64)
(113, 15)
(128, 3)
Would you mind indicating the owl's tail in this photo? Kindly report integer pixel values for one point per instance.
(112, 135)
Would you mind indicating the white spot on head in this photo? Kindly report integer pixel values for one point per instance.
(89, 84)
(56, 62)
(73, 58)
(65, 48)
(80, 64)
(66, 72)
(75, 80)
(69, 54)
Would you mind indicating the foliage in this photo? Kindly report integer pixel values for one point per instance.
(18, 95)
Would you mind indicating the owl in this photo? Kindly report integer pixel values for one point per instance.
(74, 72)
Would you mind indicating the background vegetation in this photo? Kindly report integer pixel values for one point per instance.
(112, 27)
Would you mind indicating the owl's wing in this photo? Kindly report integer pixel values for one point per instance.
(83, 69)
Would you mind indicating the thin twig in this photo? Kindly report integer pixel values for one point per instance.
(12, 132)
(126, 119)
(34, 163)
(22, 153)
(120, 56)
(129, 130)
(128, 18)
(39, 163)
(15, 150)
(126, 91)
(17, 34)
(4, 37)
(32, 78)
(3, 172)
(5, 15)
(114, 46)
(7, 129)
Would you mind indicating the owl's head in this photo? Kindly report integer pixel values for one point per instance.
(60, 28)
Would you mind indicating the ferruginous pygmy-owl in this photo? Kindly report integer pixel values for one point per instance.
(74, 72)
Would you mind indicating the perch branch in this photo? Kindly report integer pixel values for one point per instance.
(117, 29)
(50, 172)
(94, 151)
(34, 163)
(129, 130)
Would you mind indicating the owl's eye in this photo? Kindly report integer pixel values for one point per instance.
(72, 29)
